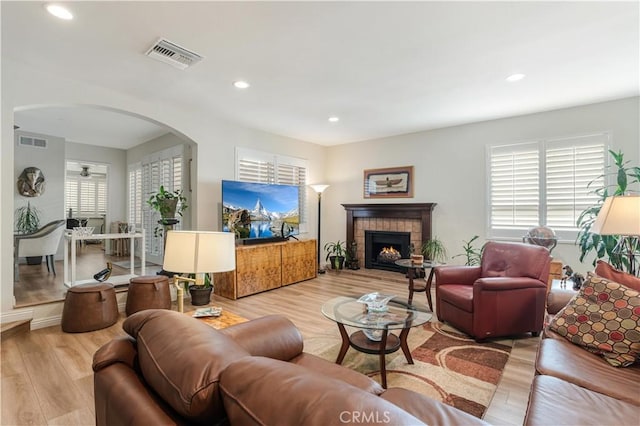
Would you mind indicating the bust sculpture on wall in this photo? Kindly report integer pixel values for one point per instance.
(31, 182)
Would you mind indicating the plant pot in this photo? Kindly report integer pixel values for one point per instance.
(168, 209)
(337, 262)
(200, 295)
(34, 260)
(353, 264)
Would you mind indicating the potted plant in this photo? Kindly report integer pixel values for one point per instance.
(473, 255)
(606, 246)
(335, 254)
(168, 204)
(28, 222)
(434, 250)
(27, 219)
(200, 293)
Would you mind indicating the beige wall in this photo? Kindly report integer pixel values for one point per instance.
(450, 167)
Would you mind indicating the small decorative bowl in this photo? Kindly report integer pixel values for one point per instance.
(376, 302)
(83, 231)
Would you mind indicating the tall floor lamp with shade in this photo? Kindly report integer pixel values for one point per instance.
(620, 215)
(319, 189)
(197, 252)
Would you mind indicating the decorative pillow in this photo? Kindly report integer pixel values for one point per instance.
(604, 318)
(604, 270)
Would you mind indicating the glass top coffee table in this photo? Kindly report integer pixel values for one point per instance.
(373, 336)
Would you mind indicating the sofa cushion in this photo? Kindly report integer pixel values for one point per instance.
(264, 391)
(604, 270)
(604, 318)
(460, 296)
(181, 359)
(559, 358)
(556, 402)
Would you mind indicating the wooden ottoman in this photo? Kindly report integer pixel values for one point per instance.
(89, 307)
(148, 292)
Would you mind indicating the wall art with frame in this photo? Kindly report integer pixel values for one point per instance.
(391, 182)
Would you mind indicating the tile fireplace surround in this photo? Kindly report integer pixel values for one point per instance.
(405, 217)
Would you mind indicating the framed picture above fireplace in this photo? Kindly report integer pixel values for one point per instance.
(392, 182)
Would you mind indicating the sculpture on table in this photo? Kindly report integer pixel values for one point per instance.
(541, 236)
(104, 274)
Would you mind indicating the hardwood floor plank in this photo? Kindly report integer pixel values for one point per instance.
(19, 407)
(81, 417)
(55, 391)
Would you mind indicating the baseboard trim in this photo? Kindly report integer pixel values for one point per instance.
(46, 322)
(16, 315)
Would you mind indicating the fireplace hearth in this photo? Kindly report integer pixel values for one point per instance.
(383, 248)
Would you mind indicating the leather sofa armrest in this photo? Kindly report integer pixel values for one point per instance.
(271, 336)
(121, 349)
(506, 284)
(465, 275)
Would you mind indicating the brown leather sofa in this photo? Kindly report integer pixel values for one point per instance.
(503, 296)
(176, 370)
(575, 387)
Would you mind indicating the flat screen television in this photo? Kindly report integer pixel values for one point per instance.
(259, 210)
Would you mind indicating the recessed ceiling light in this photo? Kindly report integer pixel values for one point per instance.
(241, 84)
(334, 119)
(515, 77)
(59, 11)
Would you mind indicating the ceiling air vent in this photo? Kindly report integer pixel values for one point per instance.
(172, 54)
(33, 142)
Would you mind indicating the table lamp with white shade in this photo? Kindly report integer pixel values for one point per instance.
(620, 215)
(197, 252)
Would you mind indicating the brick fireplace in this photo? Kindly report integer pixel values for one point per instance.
(413, 218)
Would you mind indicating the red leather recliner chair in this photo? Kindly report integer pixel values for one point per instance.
(502, 297)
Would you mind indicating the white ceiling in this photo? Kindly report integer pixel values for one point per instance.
(385, 68)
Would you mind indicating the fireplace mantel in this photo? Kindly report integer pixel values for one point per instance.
(421, 211)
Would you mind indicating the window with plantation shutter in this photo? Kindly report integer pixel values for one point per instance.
(163, 168)
(515, 193)
(544, 183)
(86, 196)
(262, 167)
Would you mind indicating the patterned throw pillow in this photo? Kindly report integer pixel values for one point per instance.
(604, 318)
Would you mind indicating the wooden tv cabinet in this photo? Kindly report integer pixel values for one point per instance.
(267, 266)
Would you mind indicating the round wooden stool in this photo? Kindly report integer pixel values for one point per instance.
(89, 307)
(148, 292)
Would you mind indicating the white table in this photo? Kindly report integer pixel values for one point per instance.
(70, 262)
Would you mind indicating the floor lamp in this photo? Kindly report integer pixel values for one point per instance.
(620, 215)
(319, 190)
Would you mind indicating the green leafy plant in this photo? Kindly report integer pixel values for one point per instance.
(472, 255)
(603, 246)
(434, 250)
(27, 219)
(168, 204)
(337, 251)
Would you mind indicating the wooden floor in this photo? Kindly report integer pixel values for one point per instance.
(36, 285)
(47, 378)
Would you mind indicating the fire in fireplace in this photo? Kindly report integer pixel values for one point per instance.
(383, 248)
(388, 255)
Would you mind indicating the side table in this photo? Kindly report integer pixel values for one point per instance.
(411, 274)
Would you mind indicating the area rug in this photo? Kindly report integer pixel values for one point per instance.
(448, 366)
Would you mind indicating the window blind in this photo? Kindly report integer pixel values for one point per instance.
(515, 192)
(544, 183)
(262, 167)
(86, 196)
